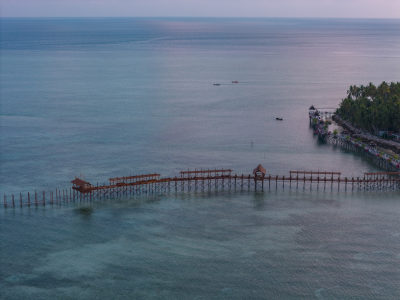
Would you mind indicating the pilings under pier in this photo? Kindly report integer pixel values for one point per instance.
(205, 181)
(381, 160)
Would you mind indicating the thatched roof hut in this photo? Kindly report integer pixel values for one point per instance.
(80, 185)
(80, 182)
(259, 171)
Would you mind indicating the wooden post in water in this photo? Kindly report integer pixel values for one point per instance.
(364, 182)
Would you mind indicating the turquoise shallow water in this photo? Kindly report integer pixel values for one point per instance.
(112, 97)
(287, 245)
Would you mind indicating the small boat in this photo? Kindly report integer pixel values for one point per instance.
(216, 84)
(235, 81)
(279, 119)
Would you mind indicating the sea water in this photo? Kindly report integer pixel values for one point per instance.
(98, 98)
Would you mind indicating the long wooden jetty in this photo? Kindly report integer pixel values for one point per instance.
(204, 181)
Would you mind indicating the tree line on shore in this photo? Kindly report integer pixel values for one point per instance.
(372, 108)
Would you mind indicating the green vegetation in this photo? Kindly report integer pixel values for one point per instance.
(372, 108)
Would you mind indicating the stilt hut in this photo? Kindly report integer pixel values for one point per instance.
(259, 172)
(81, 185)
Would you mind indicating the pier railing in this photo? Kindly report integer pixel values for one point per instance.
(203, 181)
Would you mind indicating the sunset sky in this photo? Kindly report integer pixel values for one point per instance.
(202, 8)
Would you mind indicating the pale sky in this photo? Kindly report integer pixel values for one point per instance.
(201, 8)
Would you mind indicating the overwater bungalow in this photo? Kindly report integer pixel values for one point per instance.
(80, 185)
(259, 172)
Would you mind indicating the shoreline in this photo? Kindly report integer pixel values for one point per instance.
(358, 133)
(384, 152)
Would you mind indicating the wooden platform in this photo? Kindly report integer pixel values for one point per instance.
(205, 181)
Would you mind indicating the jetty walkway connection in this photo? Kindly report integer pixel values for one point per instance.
(354, 140)
(204, 181)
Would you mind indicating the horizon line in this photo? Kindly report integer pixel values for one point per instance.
(193, 17)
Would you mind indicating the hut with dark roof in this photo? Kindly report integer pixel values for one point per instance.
(80, 185)
(259, 172)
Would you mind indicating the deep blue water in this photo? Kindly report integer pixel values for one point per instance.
(110, 97)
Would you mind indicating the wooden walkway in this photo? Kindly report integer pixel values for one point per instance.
(204, 181)
(356, 141)
(357, 133)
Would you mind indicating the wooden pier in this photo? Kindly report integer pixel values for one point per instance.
(354, 140)
(205, 181)
(379, 158)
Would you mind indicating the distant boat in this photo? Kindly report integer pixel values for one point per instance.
(279, 119)
(216, 84)
(235, 81)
